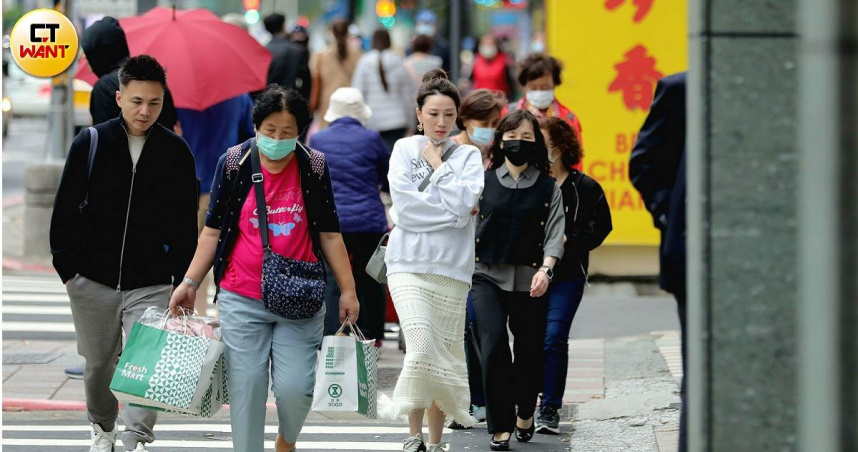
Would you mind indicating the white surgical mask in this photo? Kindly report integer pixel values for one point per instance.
(540, 99)
(488, 51)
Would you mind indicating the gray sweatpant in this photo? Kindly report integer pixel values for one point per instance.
(100, 315)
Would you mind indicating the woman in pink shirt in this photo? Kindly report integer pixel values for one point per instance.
(303, 226)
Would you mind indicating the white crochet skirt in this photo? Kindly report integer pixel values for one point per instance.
(431, 311)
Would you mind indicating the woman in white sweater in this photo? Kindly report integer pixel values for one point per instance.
(435, 185)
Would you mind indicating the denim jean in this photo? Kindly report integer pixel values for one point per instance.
(472, 352)
(262, 347)
(564, 297)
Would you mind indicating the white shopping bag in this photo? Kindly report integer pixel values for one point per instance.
(347, 374)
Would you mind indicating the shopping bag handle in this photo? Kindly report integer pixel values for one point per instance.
(355, 329)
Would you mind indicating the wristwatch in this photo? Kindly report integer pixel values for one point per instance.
(191, 282)
(548, 271)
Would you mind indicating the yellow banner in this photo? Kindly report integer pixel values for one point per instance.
(614, 52)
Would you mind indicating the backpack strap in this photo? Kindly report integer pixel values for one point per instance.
(90, 161)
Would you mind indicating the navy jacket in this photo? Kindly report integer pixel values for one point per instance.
(212, 131)
(358, 160)
(657, 170)
(232, 185)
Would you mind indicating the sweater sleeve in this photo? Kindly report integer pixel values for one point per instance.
(555, 226)
(413, 210)
(459, 194)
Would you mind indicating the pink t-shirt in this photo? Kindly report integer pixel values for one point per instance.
(288, 233)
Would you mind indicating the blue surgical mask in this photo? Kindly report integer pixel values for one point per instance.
(482, 136)
(276, 149)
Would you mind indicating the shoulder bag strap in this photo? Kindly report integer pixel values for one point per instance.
(444, 158)
(257, 178)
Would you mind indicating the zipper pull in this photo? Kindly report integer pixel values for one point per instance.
(119, 287)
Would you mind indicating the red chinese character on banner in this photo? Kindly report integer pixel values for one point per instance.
(643, 7)
(636, 78)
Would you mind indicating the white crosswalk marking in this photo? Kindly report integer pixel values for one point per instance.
(37, 307)
(184, 436)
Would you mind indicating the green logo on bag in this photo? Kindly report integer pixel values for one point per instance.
(335, 390)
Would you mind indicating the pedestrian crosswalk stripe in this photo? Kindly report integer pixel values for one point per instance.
(303, 445)
(36, 310)
(29, 297)
(42, 327)
(225, 428)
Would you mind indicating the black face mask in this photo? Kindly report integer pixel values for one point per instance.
(519, 152)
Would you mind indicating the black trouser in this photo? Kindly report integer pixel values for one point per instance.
(370, 293)
(509, 383)
(683, 414)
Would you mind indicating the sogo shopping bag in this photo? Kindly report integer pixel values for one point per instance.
(169, 363)
(347, 375)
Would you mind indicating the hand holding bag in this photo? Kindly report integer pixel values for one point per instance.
(376, 268)
(290, 288)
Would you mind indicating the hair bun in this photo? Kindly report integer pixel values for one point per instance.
(435, 74)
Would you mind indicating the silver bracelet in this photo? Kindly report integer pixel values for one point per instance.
(191, 282)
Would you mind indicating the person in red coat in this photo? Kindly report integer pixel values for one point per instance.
(491, 70)
(539, 75)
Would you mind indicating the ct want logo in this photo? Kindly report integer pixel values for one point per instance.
(335, 391)
(44, 43)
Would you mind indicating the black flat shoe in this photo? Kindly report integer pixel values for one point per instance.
(499, 445)
(524, 435)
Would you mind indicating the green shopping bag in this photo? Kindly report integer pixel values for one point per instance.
(165, 369)
(347, 375)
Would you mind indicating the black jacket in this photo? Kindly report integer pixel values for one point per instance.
(106, 51)
(129, 236)
(588, 223)
(657, 170)
(290, 66)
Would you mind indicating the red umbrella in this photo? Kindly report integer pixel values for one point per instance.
(207, 60)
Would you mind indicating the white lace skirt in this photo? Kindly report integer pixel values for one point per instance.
(431, 311)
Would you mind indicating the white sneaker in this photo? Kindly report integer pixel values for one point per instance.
(102, 441)
(141, 446)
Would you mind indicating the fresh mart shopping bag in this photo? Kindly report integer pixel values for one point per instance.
(166, 369)
(347, 375)
(213, 400)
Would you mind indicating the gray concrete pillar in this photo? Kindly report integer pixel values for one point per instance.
(41, 186)
(743, 236)
(829, 214)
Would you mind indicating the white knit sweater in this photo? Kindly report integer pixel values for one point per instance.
(434, 229)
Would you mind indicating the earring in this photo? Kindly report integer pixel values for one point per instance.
(419, 126)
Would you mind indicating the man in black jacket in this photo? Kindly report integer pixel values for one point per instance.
(123, 233)
(106, 51)
(290, 64)
(657, 170)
